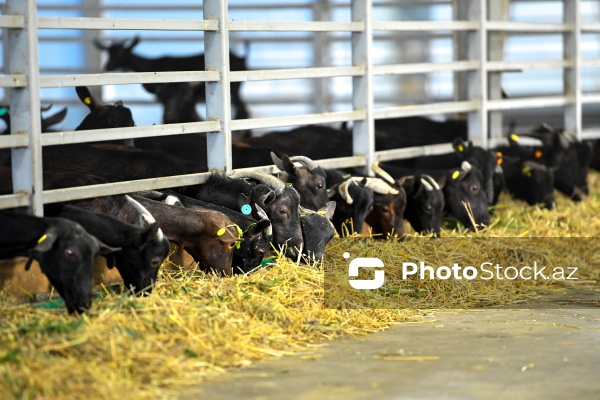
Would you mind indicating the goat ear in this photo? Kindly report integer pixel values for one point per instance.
(99, 45)
(259, 226)
(277, 161)
(86, 97)
(111, 261)
(134, 42)
(288, 165)
(442, 181)
(152, 88)
(263, 195)
(243, 200)
(150, 232)
(329, 209)
(54, 119)
(106, 249)
(46, 242)
(28, 264)
(459, 146)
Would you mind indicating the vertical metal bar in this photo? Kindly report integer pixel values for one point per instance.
(497, 11)
(477, 80)
(218, 94)
(93, 56)
(460, 11)
(363, 138)
(25, 103)
(572, 76)
(320, 43)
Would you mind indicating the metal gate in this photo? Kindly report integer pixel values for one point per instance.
(478, 31)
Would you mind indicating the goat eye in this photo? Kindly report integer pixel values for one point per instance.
(320, 185)
(283, 210)
(428, 207)
(114, 120)
(155, 262)
(385, 209)
(70, 254)
(474, 188)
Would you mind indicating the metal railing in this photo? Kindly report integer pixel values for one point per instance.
(478, 65)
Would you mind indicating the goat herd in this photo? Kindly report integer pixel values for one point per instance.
(230, 224)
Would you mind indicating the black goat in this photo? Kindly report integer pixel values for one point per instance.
(461, 187)
(143, 246)
(257, 234)
(354, 201)
(307, 178)
(280, 202)
(103, 116)
(63, 249)
(317, 231)
(121, 56)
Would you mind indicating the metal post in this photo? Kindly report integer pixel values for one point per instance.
(362, 86)
(497, 11)
(218, 94)
(460, 11)
(572, 76)
(321, 49)
(477, 80)
(25, 103)
(92, 55)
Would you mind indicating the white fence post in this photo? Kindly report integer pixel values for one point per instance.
(362, 86)
(25, 103)
(218, 94)
(477, 79)
(572, 76)
(497, 11)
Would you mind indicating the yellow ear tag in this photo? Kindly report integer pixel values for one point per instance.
(460, 148)
(527, 172)
(455, 175)
(538, 154)
(221, 232)
(44, 237)
(514, 137)
(87, 101)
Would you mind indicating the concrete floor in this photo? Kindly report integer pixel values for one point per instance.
(540, 353)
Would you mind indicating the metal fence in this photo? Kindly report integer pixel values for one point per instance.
(478, 32)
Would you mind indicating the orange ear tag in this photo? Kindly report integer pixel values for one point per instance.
(538, 154)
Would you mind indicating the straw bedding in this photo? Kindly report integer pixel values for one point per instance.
(196, 325)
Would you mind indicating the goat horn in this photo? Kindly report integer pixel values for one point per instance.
(304, 211)
(383, 174)
(429, 181)
(379, 186)
(263, 215)
(343, 190)
(145, 215)
(307, 162)
(277, 185)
